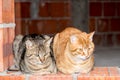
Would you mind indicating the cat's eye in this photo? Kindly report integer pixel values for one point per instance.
(89, 48)
(80, 49)
(37, 55)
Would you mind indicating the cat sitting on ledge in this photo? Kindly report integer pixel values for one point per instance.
(32, 54)
(73, 51)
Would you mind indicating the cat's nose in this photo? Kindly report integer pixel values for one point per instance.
(85, 51)
(42, 59)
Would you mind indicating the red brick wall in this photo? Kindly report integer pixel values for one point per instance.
(54, 15)
(105, 20)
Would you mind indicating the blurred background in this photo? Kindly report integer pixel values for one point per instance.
(52, 16)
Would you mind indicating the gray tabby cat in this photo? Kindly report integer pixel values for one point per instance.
(32, 54)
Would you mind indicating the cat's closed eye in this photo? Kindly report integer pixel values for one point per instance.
(80, 49)
(37, 55)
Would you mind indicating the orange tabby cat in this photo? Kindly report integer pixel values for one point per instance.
(73, 51)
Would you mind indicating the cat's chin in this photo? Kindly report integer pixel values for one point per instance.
(83, 58)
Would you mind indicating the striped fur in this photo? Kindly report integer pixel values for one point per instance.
(34, 54)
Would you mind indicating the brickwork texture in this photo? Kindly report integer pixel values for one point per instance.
(52, 16)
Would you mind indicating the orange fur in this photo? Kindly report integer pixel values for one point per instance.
(73, 51)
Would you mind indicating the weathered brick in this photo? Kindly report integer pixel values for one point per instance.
(92, 24)
(95, 8)
(58, 9)
(109, 41)
(115, 26)
(99, 71)
(103, 25)
(51, 77)
(44, 10)
(1, 50)
(21, 26)
(7, 11)
(52, 9)
(43, 26)
(12, 77)
(22, 9)
(118, 8)
(97, 39)
(63, 24)
(113, 71)
(110, 9)
(118, 39)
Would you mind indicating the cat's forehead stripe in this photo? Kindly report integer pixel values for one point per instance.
(83, 40)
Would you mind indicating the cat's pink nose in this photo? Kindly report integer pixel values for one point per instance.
(42, 59)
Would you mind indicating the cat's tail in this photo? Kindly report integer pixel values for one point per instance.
(15, 47)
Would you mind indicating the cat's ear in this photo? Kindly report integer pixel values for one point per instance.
(73, 39)
(47, 42)
(28, 44)
(46, 37)
(90, 35)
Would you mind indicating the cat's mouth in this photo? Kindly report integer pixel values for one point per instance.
(85, 57)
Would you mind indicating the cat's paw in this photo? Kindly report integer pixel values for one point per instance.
(13, 68)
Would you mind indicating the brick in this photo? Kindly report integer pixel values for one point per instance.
(92, 0)
(63, 24)
(51, 77)
(12, 77)
(95, 9)
(68, 9)
(17, 10)
(0, 11)
(110, 9)
(21, 26)
(92, 23)
(19, 77)
(6, 78)
(6, 48)
(50, 27)
(118, 8)
(57, 0)
(97, 39)
(11, 35)
(43, 26)
(115, 26)
(1, 50)
(118, 39)
(10, 60)
(58, 9)
(7, 11)
(109, 41)
(103, 25)
(7, 15)
(99, 71)
(113, 71)
(44, 10)
(22, 9)
(36, 26)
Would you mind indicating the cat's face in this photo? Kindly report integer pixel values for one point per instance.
(38, 48)
(81, 46)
